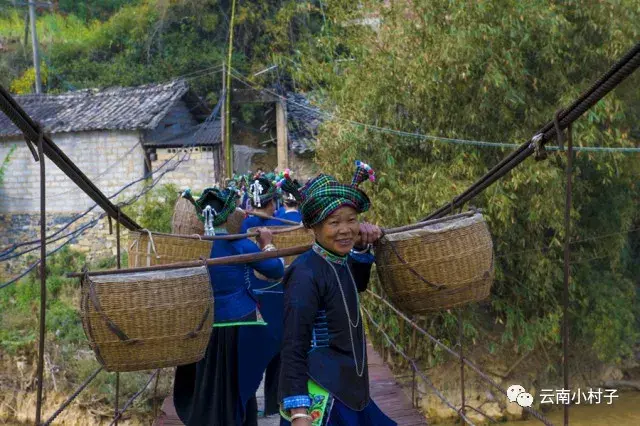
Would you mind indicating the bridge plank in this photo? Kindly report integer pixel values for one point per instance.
(385, 390)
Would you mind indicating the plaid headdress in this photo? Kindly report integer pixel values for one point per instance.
(219, 204)
(261, 191)
(287, 196)
(323, 195)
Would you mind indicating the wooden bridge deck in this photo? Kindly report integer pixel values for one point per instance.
(385, 391)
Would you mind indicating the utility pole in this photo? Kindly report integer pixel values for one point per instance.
(222, 163)
(34, 42)
(228, 145)
(281, 134)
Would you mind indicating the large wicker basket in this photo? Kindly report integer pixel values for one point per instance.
(148, 320)
(298, 236)
(148, 249)
(437, 266)
(185, 220)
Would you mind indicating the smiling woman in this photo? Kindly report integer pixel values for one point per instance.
(338, 232)
(324, 379)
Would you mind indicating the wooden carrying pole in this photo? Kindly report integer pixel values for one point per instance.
(243, 258)
(227, 260)
(266, 216)
(280, 230)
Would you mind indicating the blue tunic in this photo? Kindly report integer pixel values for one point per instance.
(293, 215)
(218, 389)
(245, 201)
(320, 341)
(272, 299)
(257, 345)
(233, 284)
(280, 212)
(253, 221)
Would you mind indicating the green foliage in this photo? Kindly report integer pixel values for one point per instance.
(89, 10)
(155, 210)
(25, 84)
(497, 72)
(64, 321)
(490, 71)
(20, 302)
(5, 163)
(100, 43)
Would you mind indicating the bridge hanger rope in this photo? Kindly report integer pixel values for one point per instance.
(72, 235)
(622, 69)
(501, 145)
(466, 361)
(6, 251)
(415, 368)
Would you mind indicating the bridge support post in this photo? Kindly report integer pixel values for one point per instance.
(567, 259)
(43, 277)
(116, 403)
(414, 348)
(460, 341)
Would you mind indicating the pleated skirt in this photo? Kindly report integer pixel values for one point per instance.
(208, 392)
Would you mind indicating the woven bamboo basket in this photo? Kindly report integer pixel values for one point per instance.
(296, 237)
(438, 266)
(148, 320)
(185, 220)
(147, 249)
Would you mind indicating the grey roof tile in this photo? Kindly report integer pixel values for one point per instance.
(117, 108)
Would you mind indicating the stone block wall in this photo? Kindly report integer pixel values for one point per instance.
(197, 173)
(95, 243)
(110, 159)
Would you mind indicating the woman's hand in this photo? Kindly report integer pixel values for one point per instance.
(265, 237)
(369, 234)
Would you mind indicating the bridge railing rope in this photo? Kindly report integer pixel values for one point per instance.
(46, 146)
(488, 380)
(34, 135)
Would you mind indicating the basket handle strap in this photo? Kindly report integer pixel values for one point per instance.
(151, 245)
(110, 324)
(413, 271)
(492, 265)
(195, 332)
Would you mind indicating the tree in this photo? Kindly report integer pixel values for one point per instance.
(496, 72)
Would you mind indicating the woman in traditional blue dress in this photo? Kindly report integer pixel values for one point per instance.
(289, 210)
(262, 194)
(324, 378)
(220, 389)
(272, 373)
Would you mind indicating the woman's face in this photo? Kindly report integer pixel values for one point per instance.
(338, 232)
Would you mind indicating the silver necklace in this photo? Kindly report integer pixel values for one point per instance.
(359, 371)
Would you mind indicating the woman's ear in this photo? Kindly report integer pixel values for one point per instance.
(316, 230)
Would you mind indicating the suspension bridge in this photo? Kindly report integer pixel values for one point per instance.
(385, 390)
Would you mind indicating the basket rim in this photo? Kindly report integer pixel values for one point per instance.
(444, 227)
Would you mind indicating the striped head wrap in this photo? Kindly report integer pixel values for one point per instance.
(261, 191)
(221, 204)
(323, 195)
(287, 196)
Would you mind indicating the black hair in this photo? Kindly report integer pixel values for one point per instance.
(264, 205)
